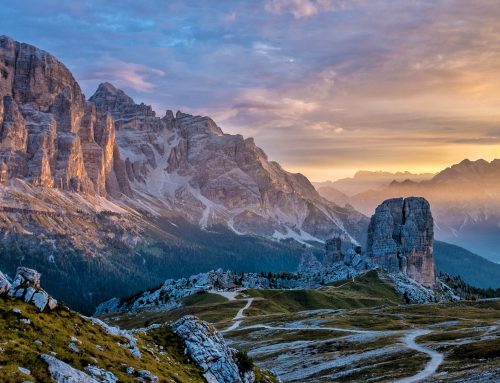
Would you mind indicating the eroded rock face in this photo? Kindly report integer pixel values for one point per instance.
(26, 286)
(207, 348)
(49, 134)
(401, 236)
(209, 177)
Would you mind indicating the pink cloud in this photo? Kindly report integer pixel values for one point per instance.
(122, 74)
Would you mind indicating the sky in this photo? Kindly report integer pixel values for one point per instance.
(326, 87)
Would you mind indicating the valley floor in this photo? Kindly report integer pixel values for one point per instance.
(331, 334)
(433, 343)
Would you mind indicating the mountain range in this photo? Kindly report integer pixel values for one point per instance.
(105, 194)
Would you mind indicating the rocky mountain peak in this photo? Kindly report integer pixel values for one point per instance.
(401, 236)
(109, 99)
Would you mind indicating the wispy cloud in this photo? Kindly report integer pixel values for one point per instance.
(138, 77)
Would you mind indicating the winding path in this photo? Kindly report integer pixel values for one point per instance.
(431, 367)
(238, 318)
(408, 340)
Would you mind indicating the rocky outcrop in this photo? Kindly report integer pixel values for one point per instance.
(339, 250)
(4, 284)
(309, 264)
(207, 348)
(49, 134)
(333, 251)
(62, 372)
(400, 238)
(26, 286)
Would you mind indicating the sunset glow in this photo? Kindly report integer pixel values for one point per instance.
(325, 87)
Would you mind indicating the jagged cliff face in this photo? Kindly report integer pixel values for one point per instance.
(50, 135)
(401, 236)
(210, 177)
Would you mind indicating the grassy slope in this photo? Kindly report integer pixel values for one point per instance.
(162, 351)
(210, 307)
(55, 330)
(366, 291)
(474, 269)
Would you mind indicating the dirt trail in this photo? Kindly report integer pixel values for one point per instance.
(238, 318)
(408, 339)
(431, 367)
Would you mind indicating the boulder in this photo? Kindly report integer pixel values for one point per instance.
(62, 372)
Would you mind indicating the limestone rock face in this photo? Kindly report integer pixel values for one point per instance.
(401, 236)
(209, 177)
(49, 135)
(207, 348)
(26, 286)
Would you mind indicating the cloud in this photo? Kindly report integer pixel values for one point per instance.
(124, 75)
(298, 8)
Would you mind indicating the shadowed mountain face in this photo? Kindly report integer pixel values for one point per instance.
(465, 201)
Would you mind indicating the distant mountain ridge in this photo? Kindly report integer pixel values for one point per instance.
(365, 180)
(465, 201)
(473, 269)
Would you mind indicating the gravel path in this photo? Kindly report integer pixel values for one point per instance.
(431, 366)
